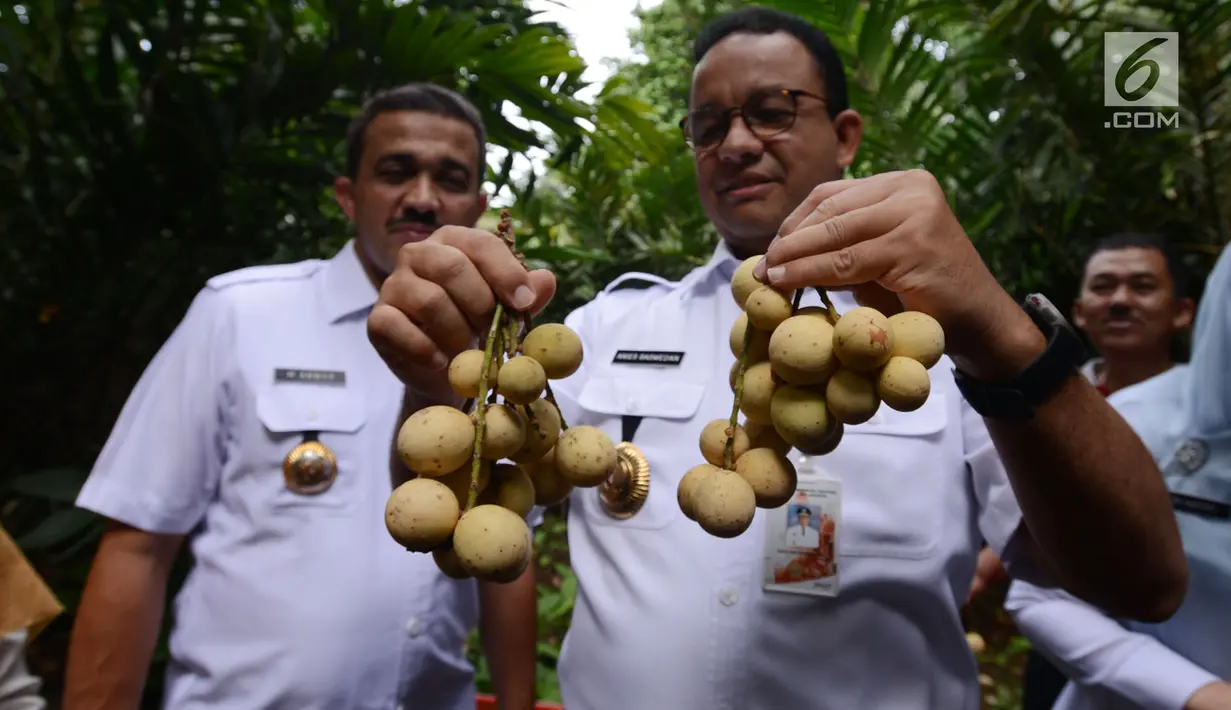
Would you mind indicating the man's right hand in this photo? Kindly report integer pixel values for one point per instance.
(439, 301)
(1212, 696)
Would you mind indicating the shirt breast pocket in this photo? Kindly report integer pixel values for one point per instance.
(292, 414)
(896, 472)
(662, 407)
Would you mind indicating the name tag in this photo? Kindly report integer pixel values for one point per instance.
(1200, 506)
(648, 357)
(321, 377)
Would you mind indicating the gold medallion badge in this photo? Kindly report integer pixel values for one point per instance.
(626, 489)
(310, 468)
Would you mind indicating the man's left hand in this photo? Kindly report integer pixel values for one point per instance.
(894, 233)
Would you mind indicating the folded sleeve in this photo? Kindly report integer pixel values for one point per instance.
(161, 463)
(1209, 388)
(1094, 650)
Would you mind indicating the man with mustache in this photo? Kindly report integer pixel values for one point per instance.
(668, 616)
(260, 436)
(1133, 304)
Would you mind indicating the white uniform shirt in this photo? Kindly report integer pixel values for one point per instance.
(797, 536)
(668, 617)
(295, 602)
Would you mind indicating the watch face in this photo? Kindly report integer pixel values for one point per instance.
(1041, 308)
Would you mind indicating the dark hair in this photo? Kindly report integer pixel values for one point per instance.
(764, 21)
(1157, 242)
(415, 96)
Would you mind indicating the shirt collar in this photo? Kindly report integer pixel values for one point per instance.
(347, 288)
(722, 264)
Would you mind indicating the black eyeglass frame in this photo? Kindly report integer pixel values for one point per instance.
(728, 114)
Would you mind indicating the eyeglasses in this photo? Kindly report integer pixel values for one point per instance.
(766, 113)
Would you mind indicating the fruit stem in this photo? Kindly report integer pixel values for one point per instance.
(552, 398)
(795, 301)
(493, 335)
(833, 312)
(728, 451)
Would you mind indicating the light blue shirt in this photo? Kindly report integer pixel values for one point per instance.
(295, 602)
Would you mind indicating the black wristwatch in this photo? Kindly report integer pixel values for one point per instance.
(1017, 397)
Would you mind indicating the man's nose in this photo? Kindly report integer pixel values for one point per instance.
(740, 142)
(421, 195)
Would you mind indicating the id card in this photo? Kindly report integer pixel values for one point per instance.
(801, 538)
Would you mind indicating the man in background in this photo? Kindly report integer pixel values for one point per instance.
(260, 435)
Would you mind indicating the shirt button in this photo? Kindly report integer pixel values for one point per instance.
(729, 597)
(412, 628)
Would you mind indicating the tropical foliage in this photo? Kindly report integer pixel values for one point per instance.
(147, 145)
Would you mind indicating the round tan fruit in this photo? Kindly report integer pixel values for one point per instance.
(828, 442)
(421, 514)
(724, 504)
(714, 441)
(800, 416)
(493, 543)
(758, 392)
(436, 440)
(767, 307)
(758, 346)
(764, 436)
(742, 283)
(585, 456)
(863, 339)
(542, 431)
(771, 475)
(851, 396)
(447, 562)
(550, 487)
(801, 350)
(917, 336)
(514, 489)
(458, 481)
(904, 384)
(464, 372)
(504, 432)
(521, 380)
(976, 642)
(686, 492)
(556, 347)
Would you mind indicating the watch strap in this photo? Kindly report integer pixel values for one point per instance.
(1018, 397)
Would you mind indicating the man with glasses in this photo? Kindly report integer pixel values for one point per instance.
(670, 617)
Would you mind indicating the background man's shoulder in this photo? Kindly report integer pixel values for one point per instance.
(265, 274)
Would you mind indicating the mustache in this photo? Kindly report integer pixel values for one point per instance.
(414, 217)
